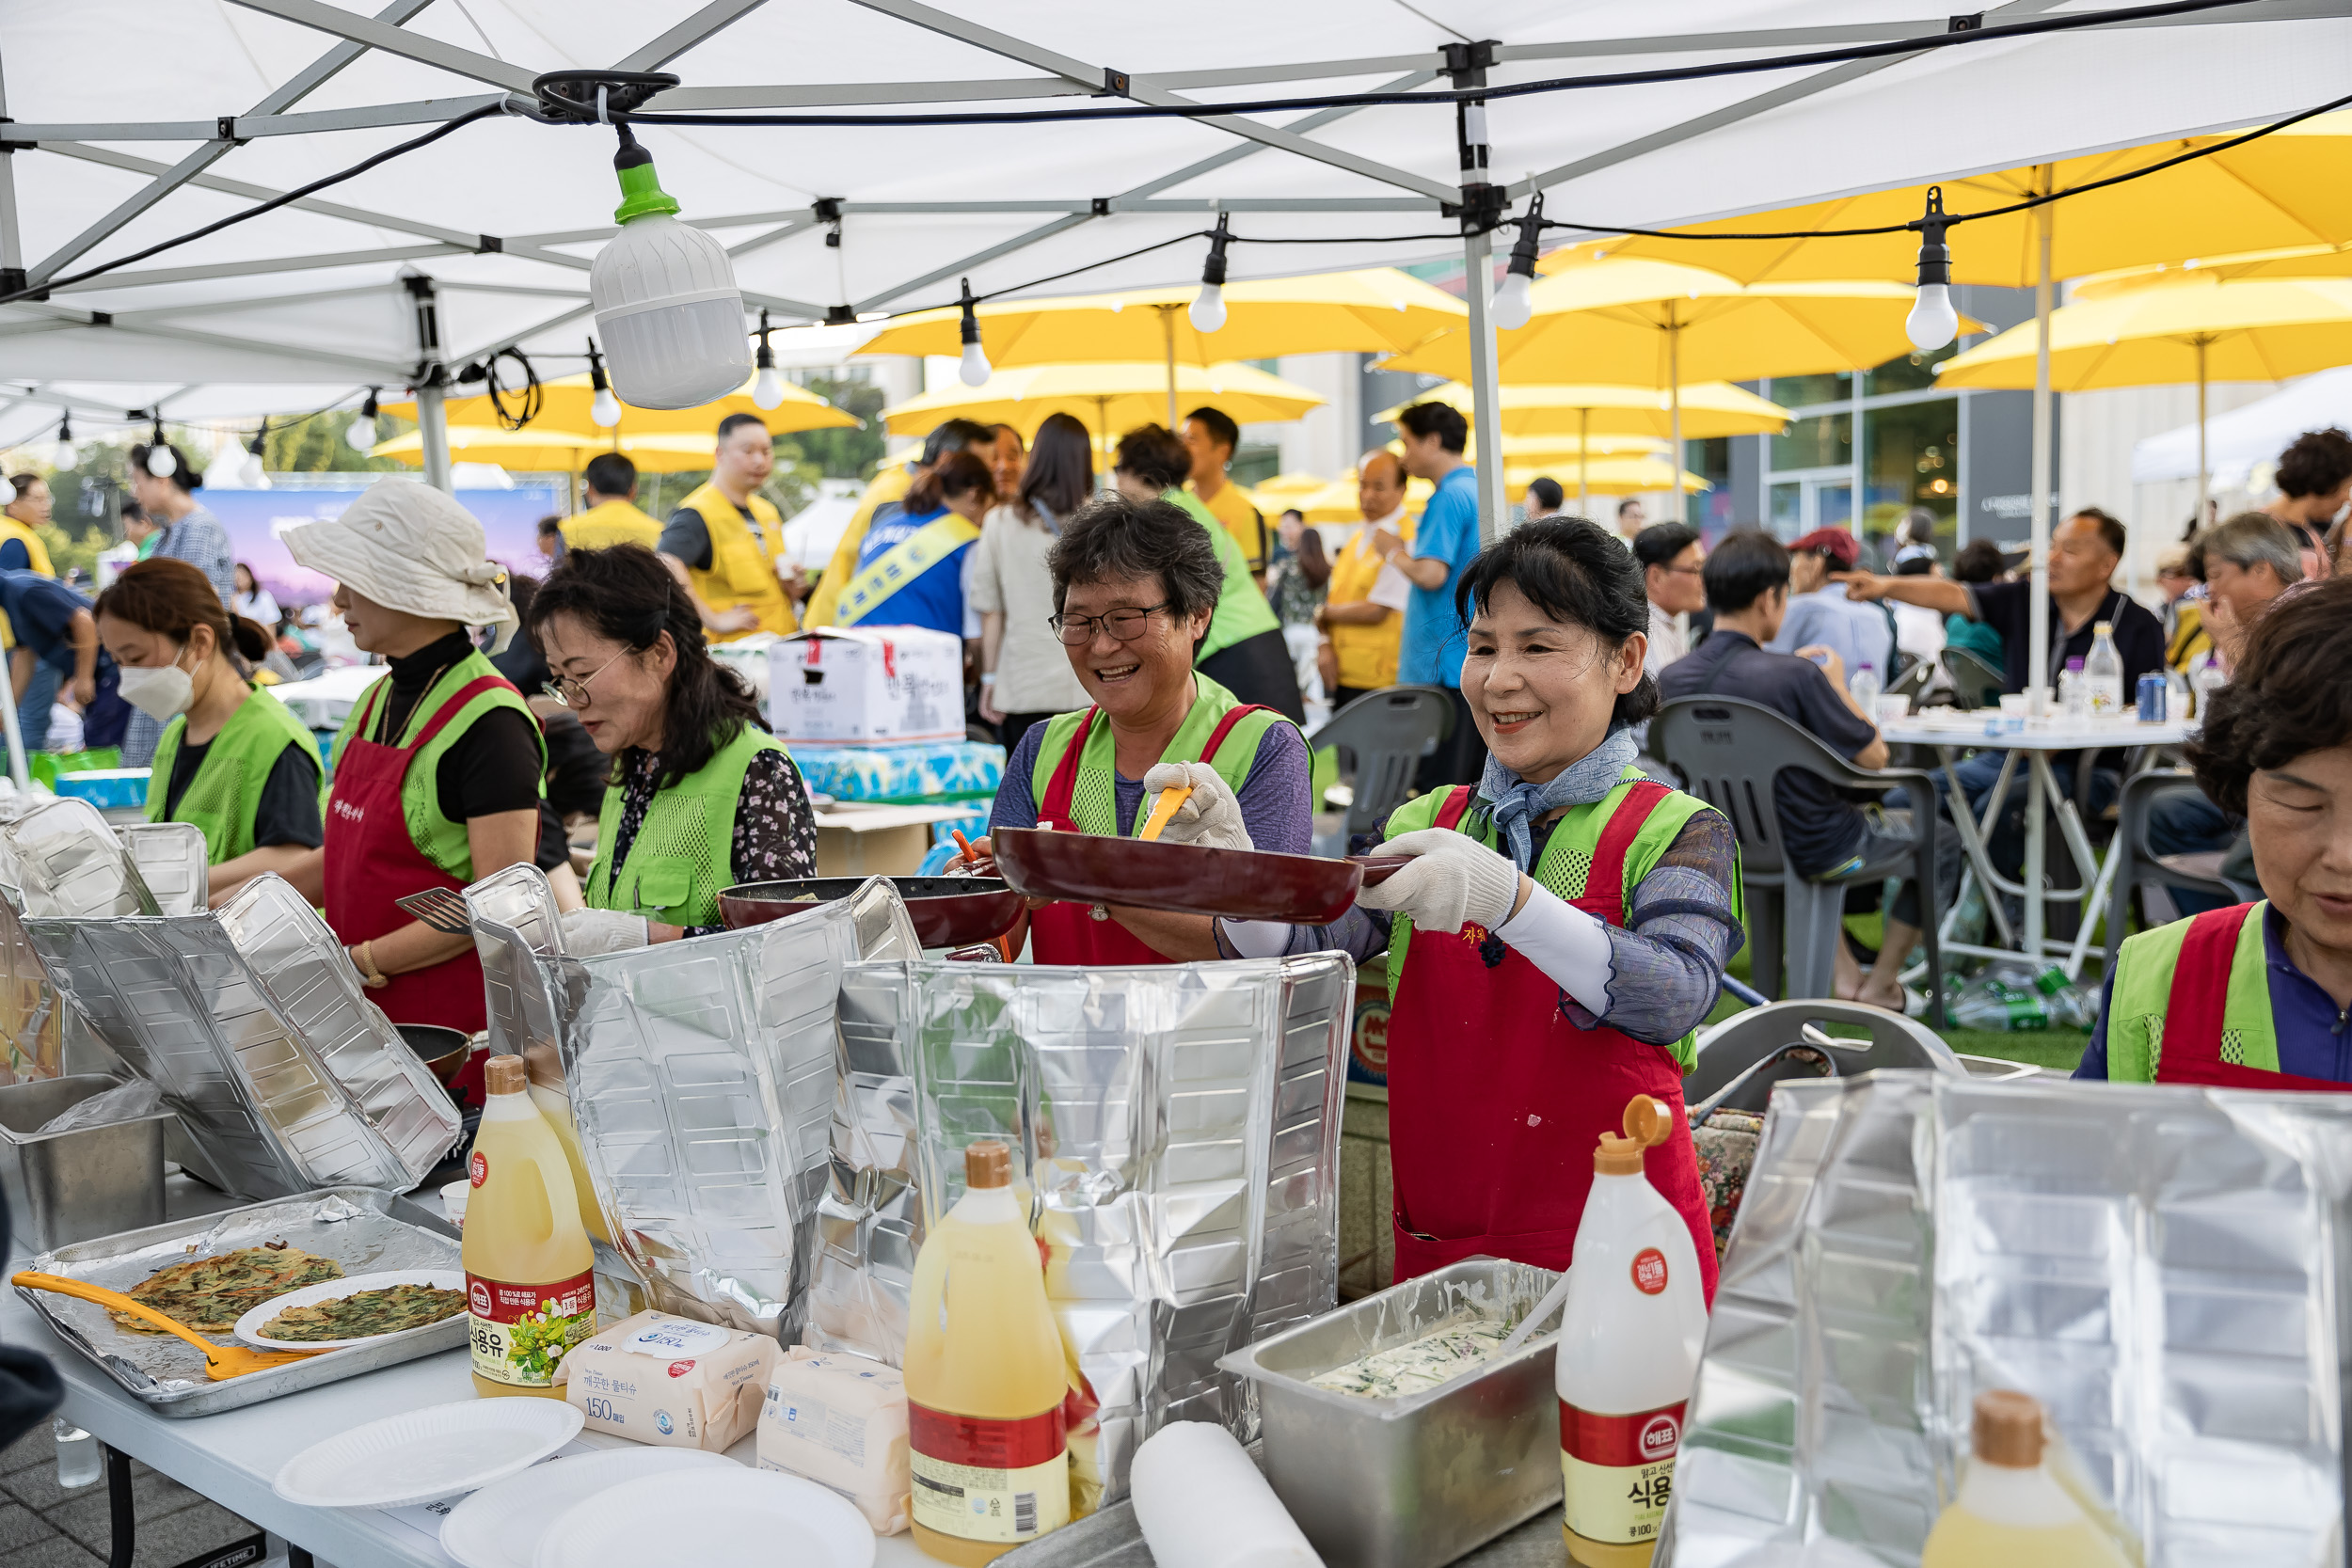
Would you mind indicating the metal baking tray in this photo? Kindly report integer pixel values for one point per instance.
(362, 1228)
(66, 862)
(252, 1020)
(173, 861)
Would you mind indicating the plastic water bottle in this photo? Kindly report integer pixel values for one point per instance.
(2208, 677)
(1864, 684)
(2075, 691)
(79, 1462)
(2103, 673)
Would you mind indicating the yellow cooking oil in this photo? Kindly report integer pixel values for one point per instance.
(2011, 1513)
(530, 1288)
(556, 1106)
(984, 1376)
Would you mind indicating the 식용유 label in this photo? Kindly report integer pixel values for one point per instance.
(1618, 1471)
(517, 1333)
(989, 1479)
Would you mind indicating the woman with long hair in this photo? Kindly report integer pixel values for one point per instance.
(232, 760)
(1025, 676)
(700, 796)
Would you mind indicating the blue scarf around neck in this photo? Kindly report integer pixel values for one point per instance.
(1516, 804)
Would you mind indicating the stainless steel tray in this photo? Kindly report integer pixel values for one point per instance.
(66, 862)
(173, 861)
(360, 1228)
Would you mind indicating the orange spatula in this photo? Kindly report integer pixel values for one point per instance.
(221, 1362)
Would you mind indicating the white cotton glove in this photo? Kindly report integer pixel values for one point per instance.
(588, 932)
(1452, 879)
(1210, 819)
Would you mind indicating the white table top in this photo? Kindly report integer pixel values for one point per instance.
(1952, 727)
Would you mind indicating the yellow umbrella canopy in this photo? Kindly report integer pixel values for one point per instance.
(1606, 476)
(1379, 309)
(536, 450)
(1338, 501)
(2286, 189)
(1709, 408)
(2253, 329)
(566, 402)
(1108, 399)
(2302, 260)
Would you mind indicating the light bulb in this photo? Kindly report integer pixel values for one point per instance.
(1513, 305)
(606, 409)
(664, 293)
(160, 462)
(1932, 322)
(360, 433)
(68, 455)
(974, 370)
(767, 390)
(1208, 308)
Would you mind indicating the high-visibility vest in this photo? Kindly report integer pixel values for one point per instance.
(684, 850)
(609, 523)
(226, 793)
(742, 569)
(890, 484)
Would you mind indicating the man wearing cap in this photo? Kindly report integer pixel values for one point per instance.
(438, 768)
(1821, 615)
(726, 543)
(609, 485)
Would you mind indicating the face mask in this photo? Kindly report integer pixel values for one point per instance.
(162, 693)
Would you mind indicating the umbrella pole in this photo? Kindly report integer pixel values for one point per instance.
(1584, 464)
(2038, 642)
(2204, 468)
(1167, 331)
(1486, 383)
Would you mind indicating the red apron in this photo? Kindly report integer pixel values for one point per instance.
(1067, 933)
(1497, 1102)
(372, 860)
(2193, 1013)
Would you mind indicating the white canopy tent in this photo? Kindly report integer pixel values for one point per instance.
(2247, 440)
(139, 119)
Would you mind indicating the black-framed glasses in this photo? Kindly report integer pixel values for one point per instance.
(1076, 631)
(572, 691)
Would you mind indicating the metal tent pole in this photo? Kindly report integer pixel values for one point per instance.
(2204, 467)
(17, 768)
(1486, 386)
(1584, 464)
(2037, 606)
(432, 420)
(433, 426)
(1167, 332)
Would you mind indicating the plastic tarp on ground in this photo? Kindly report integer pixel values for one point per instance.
(123, 99)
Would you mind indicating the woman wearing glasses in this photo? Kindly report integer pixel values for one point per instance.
(437, 770)
(1135, 585)
(700, 796)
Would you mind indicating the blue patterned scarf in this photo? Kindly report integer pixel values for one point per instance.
(1517, 803)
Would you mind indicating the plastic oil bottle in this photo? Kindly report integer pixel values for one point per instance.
(2011, 1513)
(984, 1376)
(2104, 671)
(1632, 1332)
(530, 1288)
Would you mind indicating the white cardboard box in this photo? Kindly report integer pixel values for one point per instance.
(866, 684)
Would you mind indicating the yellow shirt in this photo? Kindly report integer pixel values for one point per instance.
(1367, 655)
(1230, 506)
(37, 556)
(611, 522)
(888, 486)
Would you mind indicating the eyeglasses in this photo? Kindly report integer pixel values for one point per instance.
(1076, 631)
(1684, 571)
(573, 692)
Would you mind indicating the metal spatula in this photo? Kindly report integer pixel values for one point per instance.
(442, 909)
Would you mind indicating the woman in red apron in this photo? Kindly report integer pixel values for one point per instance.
(2259, 996)
(437, 770)
(1134, 584)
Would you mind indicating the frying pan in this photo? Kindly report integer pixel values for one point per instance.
(1185, 878)
(948, 911)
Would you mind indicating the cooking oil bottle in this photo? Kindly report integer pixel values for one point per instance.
(1629, 1340)
(984, 1376)
(549, 1093)
(529, 1290)
(2011, 1513)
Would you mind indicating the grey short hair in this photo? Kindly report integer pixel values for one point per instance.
(2254, 539)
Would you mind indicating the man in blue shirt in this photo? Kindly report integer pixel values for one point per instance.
(53, 629)
(1445, 541)
(1820, 614)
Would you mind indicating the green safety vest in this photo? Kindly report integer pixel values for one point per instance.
(1093, 802)
(1241, 611)
(1566, 860)
(442, 841)
(2143, 993)
(227, 790)
(684, 851)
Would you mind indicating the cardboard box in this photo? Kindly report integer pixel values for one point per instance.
(865, 684)
(856, 840)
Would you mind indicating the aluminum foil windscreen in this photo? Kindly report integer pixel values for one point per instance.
(2166, 1269)
(1177, 1127)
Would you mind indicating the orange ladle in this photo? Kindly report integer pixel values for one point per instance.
(220, 1361)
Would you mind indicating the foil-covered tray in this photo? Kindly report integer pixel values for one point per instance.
(362, 1228)
(1176, 1129)
(253, 1022)
(173, 861)
(700, 1076)
(66, 862)
(2164, 1268)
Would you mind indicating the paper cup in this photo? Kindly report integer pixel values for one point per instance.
(1892, 708)
(454, 1201)
(2015, 705)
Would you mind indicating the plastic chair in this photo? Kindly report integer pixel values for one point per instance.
(1913, 681)
(1384, 734)
(1729, 750)
(2135, 863)
(1975, 683)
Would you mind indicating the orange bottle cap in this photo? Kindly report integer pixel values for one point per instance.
(505, 1075)
(1648, 1122)
(987, 1165)
(2009, 1429)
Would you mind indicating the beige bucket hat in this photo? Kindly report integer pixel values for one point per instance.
(409, 547)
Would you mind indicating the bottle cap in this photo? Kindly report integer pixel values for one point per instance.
(505, 1075)
(2102, 628)
(2009, 1429)
(987, 1165)
(1646, 1122)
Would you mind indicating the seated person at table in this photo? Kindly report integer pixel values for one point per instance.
(1136, 586)
(1827, 837)
(1979, 563)
(1821, 614)
(2254, 996)
(2181, 578)
(2315, 479)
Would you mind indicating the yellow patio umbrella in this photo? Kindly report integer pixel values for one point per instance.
(1108, 397)
(2251, 329)
(1709, 408)
(1377, 310)
(567, 404)
(2302, 260)
(1535, 448)
(1338, 501)
(533, 450)
(1610, 476)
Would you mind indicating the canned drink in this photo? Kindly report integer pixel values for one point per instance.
(2153, 690)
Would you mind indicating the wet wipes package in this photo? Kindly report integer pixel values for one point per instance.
(841, 1421)
(670, 1381)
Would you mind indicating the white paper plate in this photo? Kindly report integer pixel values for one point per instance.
(728, 1515)
(499, 1526)
(250, 1326)
(427, 1454)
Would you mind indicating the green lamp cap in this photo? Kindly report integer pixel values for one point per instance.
(642, 193)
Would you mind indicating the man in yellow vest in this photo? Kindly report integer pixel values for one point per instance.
(725, 544)
(609, 485)
(21, 549)
(1212, 436)
(887, 489)
(1363, 615)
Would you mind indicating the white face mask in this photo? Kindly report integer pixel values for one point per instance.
(163, 693)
